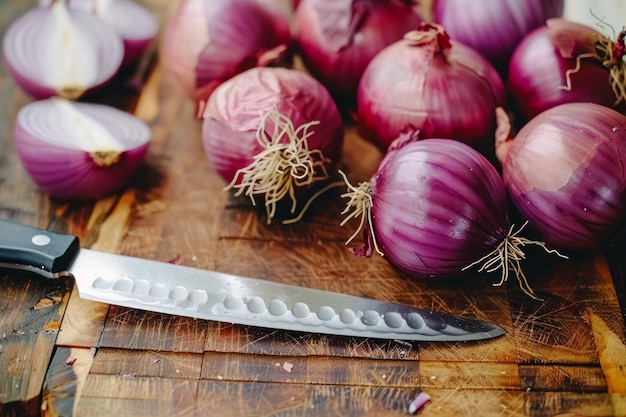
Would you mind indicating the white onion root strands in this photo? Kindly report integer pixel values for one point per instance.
(565, 62)
(79, 151)
(441, 87)
(56, 51)
(285, 163)
(507, 256)
(275, 121)
(436, 208)
(578, 41)
(565, 172)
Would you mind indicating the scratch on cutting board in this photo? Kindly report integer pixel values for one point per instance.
(612, 351)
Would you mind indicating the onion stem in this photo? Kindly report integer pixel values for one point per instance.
(359, 205)
(285, 163)
(507, 256)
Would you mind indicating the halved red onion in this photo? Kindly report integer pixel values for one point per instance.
(207, 42)
(441, 87)
(494, 27)
(560, 63)
(136, 25)
(337, 39)
(566, 173)
(435, 208)
(272, 133)
(79, 151)
(54, 51)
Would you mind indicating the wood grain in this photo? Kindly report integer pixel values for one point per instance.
(61, 355)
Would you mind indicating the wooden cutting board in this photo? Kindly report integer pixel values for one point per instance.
(60, 355)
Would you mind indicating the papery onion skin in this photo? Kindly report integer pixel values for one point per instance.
(24, 56)
(338, 38)
(449, 92)
(438, 205)
(64, 169)
(494, 27)
(538, 75)
(233, 114)
(565, 172)
(206, 42)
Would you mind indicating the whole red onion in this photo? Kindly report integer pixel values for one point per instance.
(441, 87)
(208, 41)
(338, 38)
(565, 172)
(436, 207)
(272, 133)
(494, 27)
(558, 63)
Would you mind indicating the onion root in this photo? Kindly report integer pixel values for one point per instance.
(360, 205)
(285, 163)
(507, 256)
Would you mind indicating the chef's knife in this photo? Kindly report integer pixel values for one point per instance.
(176, 289)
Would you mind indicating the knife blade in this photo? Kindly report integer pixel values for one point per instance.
(194, 292)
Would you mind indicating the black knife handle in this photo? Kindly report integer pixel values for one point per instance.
(31, 247)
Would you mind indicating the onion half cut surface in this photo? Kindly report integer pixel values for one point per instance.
(79, 150)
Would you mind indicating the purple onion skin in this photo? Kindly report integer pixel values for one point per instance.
(35, 90)
(242, 34)
(438, 205)
(454, 98)
(206, 42)
(233, 114)
(338, 56)
(565, 172)
(538, 70)
(134, 49)
(71, 174)
(494, 27)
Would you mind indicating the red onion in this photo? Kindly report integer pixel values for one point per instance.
(436, 207)
(441, 87)
(272, 133)
(208, 41)
(133, 22)
(494, 27)
(337, 39)
(80, 151)
(565, 173)
(566, 62)
(55, 51)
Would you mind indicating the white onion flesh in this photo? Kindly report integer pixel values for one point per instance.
(77, 150)
(58, 51)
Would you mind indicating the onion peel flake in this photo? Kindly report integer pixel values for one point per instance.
(283, 165)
